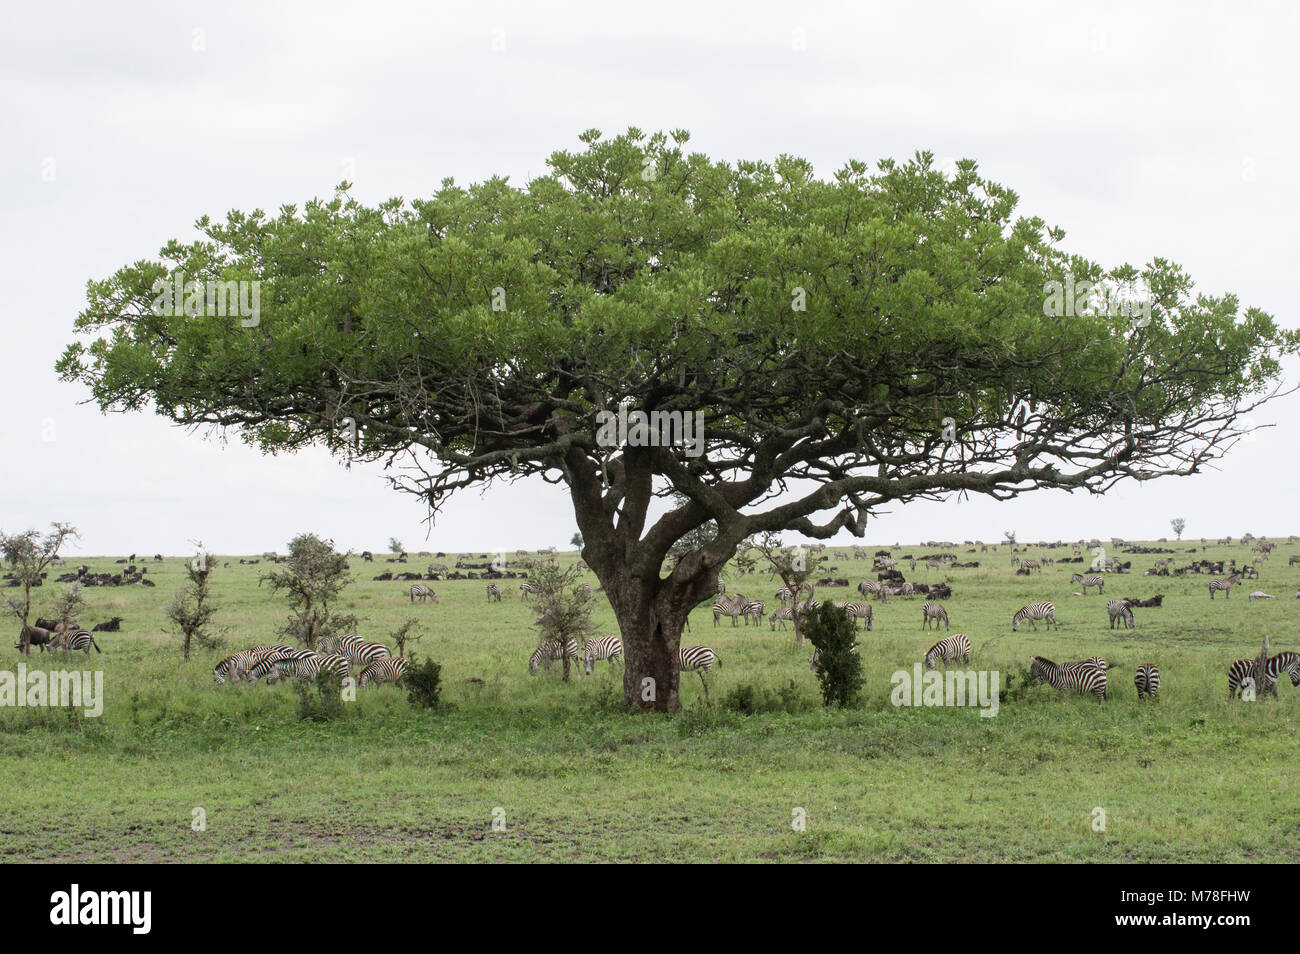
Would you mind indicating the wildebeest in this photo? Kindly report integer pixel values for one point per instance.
(31, 636)
(112, 626)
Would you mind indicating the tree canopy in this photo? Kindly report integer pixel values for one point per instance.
(884, 334)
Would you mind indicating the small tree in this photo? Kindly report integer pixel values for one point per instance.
(395, 545)
(313, 575)
(563, 610)
(839, 668)
(1178, 524)
(1009, 536)
(192, 609)
(576, 541)
(406, 633)
(69, 604)
(28, 554)
(792, 567)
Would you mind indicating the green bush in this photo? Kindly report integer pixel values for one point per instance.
(752, 700)
(423, 682)
(327, 701)
(839, 670)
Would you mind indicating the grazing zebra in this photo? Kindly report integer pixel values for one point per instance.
(817, 655)
(907, 589)
(603, 647)
(493, 591)
(857, 611)
(1120, 611)
(549, 650)
(1087, 581)
(948, 650)
(361, 654)
(783, 615)
(390, 669)
(1079, 677)
(71, 641)
(1034, 611)
(525, 590)
(236, 665)
(729, 606)
(277, 664)
(784, 594)
(1031, 566)
(421, 592)
(335, 643)
(697, 658)
(1147, 680)
(754, 611)
(1225, 585)
(932, 611)
(877, 587)
(1241, 673)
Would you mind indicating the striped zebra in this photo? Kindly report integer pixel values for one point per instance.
(697, 658)
(783, 615)
(1087, 581)
(73, 641)
(390, 669)
(1031, 565)
(421, 592)
(785, 595)
(1243, 669)
(932, 611)
(525, 590)
(1043, 610)
(361, 654)
(951, 649)
(493, 592)
(878, 588)
(603, 647)
(1225, 585)
(754, 612)
(907, 589)
(729, 606)
(234, 666)
(857, 611)
(550, 650)
(722, 588)
(1121, 611)
(817, 655)
(335, 643)
(1083, 678)
(275, 665)
(1147, 680)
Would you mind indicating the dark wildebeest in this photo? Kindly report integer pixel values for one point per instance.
(33, 636)
(112, 626)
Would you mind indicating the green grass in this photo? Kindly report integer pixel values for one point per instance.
(1193, 778)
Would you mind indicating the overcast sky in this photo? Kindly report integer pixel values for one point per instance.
(1162, 131)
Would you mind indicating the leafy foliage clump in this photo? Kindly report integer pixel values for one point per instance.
(839, 670)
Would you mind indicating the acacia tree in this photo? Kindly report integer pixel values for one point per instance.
(1178, 525)
(881, 336)
(791, 565)
(28, 555)
(192, 609)
(314, 574)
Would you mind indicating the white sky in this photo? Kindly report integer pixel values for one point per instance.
(1164, 131)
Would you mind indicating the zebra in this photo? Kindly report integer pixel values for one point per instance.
(361, 654)
(858, 611)
(525, 590)
(1120, 611)
(784, 594)
(422, 592)
(754, 610)
(948, 650)
(907, 589)
(697, 658)
(493, 590)
(549, 650)
(1087, 581)
(72, 641)
(336, 643)
(1079, 677)
(728, 606)
(603, 647)
(1242, 671)
(389, 669)
(278, 664)
(783, 615)
(1225, 585)
(1043, 610)
(722, 588)
(1147, 680)
(1031, 566)
(237, 664)
(878, 587)
(932, 611)
(817, 655)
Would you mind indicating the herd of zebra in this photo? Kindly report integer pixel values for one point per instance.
(373, 663)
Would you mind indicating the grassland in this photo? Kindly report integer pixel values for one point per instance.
(1193, 778)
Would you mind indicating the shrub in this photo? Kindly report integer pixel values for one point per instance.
(839, 670)
(327, 701)
(752, 700)
(423, 682)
